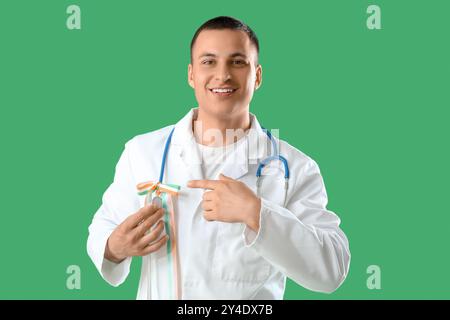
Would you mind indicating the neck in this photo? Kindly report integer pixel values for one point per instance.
(212, 130)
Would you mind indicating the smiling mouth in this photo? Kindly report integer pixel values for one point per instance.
(222, 92)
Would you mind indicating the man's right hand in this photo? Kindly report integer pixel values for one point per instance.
(130, 238)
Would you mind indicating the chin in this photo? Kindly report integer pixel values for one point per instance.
(224, 110)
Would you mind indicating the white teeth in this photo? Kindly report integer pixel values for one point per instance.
(218, 90)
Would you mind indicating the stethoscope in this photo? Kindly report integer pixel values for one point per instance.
(274, 156)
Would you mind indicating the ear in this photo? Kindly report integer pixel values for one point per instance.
(191, 76)
(258, 80)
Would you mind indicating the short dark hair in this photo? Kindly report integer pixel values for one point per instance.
(224, 22)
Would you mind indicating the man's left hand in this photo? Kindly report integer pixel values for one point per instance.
(229, 200)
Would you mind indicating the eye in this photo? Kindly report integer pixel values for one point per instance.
(238, 62)
(207, 62)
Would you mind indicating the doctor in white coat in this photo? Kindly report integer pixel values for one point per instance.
(232, 242)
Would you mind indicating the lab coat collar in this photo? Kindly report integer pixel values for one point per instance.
(184, 145)
(251, 151)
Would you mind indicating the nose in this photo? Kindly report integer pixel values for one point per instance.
(223, 73)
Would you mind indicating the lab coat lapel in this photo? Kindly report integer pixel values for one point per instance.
(186, 163)
(185, 149)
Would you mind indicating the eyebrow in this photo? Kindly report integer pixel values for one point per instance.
(233, 55)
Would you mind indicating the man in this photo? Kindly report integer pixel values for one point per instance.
(232, 241)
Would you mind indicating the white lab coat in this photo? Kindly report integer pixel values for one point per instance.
(220, 260)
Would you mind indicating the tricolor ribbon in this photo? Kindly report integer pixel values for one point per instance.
(149, 187)
(165, 192)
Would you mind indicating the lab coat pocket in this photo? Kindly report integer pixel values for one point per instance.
(233, 261)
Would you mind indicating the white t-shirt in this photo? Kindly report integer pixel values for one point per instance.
(213, 158)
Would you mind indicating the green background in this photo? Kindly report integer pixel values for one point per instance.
(370, 106)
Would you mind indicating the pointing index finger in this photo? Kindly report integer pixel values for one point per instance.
(204, 184)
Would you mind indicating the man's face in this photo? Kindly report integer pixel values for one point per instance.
(223, 72)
